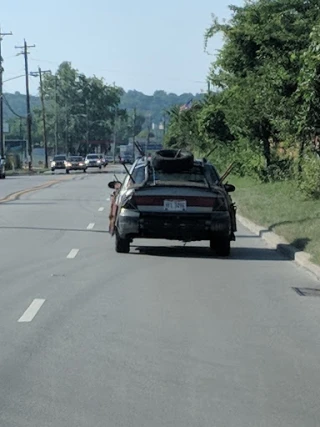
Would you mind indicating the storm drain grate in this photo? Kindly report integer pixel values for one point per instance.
(307, 292)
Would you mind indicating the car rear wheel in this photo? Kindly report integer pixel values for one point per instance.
(122, 245)
(221, 246)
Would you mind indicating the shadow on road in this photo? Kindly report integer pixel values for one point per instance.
(78, 230)
(237, 253)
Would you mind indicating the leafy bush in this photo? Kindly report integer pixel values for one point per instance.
(13, 161)
(310, 178)
(279, 170)
(247, 159)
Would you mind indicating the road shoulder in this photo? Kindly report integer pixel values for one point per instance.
(282, 245)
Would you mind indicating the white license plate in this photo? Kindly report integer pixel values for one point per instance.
(175, 205)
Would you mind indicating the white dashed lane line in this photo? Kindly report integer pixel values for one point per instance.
(73, 253)
(90, 226)
(32, 310)
(100, 209)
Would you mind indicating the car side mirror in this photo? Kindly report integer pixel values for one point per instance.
(229, 188)
(114, 185)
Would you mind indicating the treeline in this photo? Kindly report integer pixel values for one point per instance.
(79, 108)
(152, 106)
(264, 114)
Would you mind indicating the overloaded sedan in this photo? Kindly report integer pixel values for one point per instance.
(75, 163)
(173, 196)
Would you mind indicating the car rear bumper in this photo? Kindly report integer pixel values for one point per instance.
(76, 168)
(94, 165)
(185, 227)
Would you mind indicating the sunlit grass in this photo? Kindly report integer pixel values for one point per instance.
(281, 207)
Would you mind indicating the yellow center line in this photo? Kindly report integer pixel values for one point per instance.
(14, 196)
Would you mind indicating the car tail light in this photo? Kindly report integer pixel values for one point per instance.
(129, 212)
(130, 201)
(219, 204)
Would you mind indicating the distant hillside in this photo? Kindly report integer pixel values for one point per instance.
(152, 105)
(17, 102)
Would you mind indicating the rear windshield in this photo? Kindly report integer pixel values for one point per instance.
(194, 176)
(75, 159)
(92, 156)
(139, 174)
(59, 158)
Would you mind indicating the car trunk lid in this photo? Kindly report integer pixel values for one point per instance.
(182, 199)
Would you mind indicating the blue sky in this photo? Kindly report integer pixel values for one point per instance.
(137, 44)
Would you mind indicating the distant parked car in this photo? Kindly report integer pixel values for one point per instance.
(2, 168)
(75, 163)
(127, 159)
(93, 161)
(58, 162)
(109, 159)
(104, 161)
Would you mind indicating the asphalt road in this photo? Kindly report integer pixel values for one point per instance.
(17, 183)
(163, 336)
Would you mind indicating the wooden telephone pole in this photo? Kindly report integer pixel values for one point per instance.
(39, 74)
(25, 53)
(2, 150)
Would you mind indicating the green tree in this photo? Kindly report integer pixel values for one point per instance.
(85, 107)
(258, 67)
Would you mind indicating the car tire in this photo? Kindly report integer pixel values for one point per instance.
(67, 171)
(122, 245)
(52, 169)
(221, 246)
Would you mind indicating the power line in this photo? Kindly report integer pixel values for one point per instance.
(11, 109)
(25, 53)
(109, 70)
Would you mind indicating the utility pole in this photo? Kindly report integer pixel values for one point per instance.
(25, 53)
(39, 74)
(2, 35)
(149, 128)
(87, 127)
(134, 132)
(56, 115)
(20, 128)
(209, 87)
(162, 127)
(115, 133)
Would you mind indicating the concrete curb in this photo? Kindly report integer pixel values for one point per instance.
(280, 244)
(27, 173)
